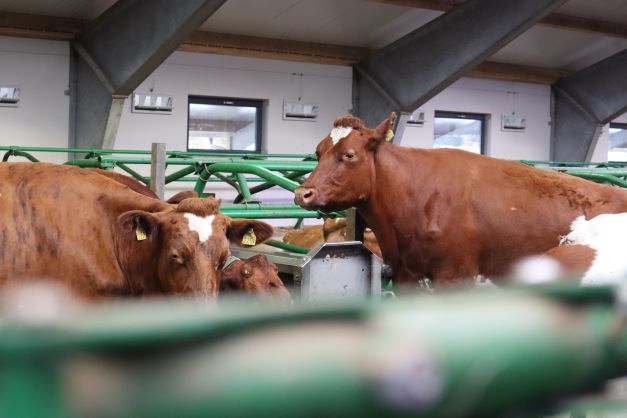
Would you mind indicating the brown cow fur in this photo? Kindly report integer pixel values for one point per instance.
(255, 276)
(79, 227)
(447, 214)
(575, 260)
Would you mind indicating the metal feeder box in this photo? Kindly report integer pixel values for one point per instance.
(331, 270)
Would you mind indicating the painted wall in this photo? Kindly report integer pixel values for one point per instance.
(184, 74)
(41, 69)
(493, 98)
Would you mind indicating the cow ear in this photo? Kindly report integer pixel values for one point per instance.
(248, 232)
(138, 224)
(383, 132)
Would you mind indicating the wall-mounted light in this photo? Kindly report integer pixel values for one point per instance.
(300, 111)
(417, 118)
(9, 96)
(152, 103)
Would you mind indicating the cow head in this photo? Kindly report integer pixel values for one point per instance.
(255, 276)
(345, 172)
(180, 250)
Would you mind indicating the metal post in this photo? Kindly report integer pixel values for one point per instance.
(355, 226)
(157, 169)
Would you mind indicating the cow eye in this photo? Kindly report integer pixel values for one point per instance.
(349, 155)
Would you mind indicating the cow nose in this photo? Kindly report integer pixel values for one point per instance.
(304, 196)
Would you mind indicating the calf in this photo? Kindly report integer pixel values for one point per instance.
(254, 276)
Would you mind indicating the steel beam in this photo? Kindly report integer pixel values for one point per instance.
(116, 52)
(583, 103)
(416, 67)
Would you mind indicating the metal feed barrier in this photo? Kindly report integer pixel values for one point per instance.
(487, 354)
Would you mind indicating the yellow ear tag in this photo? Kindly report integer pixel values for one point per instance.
(389, 135)
(140, 233)
(249, 238)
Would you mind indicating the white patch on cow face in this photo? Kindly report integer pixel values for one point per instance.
(606, 235)
(203, 226)
(340, 132)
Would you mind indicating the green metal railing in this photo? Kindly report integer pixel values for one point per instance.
(239, 170)
(486, 354)
(613, 173)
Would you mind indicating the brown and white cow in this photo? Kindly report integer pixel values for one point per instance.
(255, 276)
(447, 214)
(103, 239)
(594, 250)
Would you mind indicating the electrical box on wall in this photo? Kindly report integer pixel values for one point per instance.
(300, 111)
(417, 118)
(9, 96)
(152, 103)
(513, 123)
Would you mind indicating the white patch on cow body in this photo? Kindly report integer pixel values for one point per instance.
(606, 235)
(203, 226)
(339, 132)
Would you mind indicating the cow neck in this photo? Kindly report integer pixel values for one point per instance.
(388, 188)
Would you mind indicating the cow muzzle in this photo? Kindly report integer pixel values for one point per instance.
(305, 197)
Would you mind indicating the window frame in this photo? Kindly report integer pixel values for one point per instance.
(234, 102)
(481, 117)
(615, 125)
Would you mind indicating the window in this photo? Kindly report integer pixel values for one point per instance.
(460, 130)
(223, 124)
(617, 149)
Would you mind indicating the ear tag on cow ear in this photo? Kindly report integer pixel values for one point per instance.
(249, 238)
(140, 233)
(389, 135)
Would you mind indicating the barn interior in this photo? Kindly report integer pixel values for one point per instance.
(231, 99)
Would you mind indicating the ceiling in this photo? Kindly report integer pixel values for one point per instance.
(376, 23)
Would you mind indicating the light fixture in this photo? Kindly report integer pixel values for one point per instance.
(417, 118)
(300, 111)
(152, 103)
(9, 96)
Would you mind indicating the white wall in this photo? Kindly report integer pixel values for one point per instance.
(41, 69)
(185, 73)
(491, 97)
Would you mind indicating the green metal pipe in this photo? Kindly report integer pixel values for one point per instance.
(270, 214)
(17, 153)
(289, 247)
(244, 191)
(145, 180)
(96, 163)
(267, 185)
(270, 165)
(203, 175)
(600, 178)
(260, 171)
(178, 175)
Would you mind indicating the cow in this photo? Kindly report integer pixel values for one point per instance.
(332, 230)
(593, 250)
(102, 239)
(255, 276)
(447, 214)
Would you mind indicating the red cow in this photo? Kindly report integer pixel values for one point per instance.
(254, 276)
(102, 239)
(447, 214)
